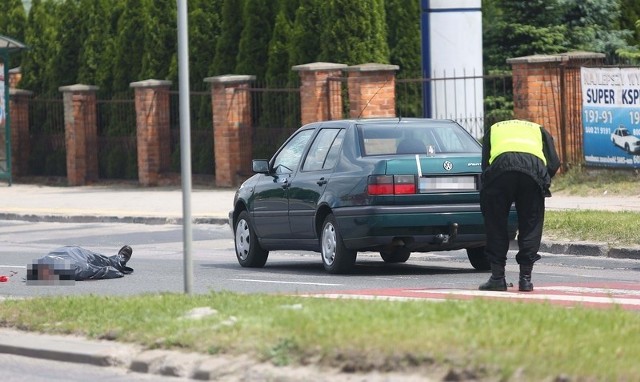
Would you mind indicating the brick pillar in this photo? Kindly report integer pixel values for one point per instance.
(153, 130)
(81, 133)
(232, 128)
(20, 148)
(372, 90)
(546, 90)
(317, 101)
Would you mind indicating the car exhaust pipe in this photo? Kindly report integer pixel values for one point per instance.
(451, 236)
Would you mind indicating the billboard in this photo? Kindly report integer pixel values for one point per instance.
(611, 116)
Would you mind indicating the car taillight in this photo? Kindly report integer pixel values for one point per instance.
(391, 184)
(404, 184)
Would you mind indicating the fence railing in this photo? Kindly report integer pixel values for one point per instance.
(276, 114)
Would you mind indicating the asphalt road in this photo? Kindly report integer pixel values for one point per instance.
(159, 265)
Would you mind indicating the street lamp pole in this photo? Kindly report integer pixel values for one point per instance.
(185, 142)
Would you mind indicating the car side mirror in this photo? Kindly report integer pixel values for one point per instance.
(260, 166)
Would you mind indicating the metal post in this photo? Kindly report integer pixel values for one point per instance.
(185, 141)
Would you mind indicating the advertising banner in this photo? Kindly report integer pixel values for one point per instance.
(611, 116)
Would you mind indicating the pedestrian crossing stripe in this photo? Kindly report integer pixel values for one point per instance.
(626, 296)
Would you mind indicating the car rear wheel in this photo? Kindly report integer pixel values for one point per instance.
(478, 259)
(336, 258)
(397, 255)
(248, 250)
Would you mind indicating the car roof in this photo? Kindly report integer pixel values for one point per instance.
(380, 121)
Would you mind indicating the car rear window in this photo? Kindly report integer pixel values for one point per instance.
(416, 139)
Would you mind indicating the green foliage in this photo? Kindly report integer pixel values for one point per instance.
(226, 47)
(357, 32)
(404, 41)
(14, 21)
(253, 48)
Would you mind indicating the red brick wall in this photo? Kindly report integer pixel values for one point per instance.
(20, 146)
(372, 90)
(153, 130)
(232, 128)
(80, 133)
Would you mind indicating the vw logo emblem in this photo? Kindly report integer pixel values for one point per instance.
(447, 165)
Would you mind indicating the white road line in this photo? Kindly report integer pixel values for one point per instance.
(13, 266)
(522, 296)
(284, 282)
(372, 297)
(569, 289)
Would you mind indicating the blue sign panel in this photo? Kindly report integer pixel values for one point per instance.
(611, 116)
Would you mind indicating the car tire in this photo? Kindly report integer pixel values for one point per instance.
(248, 251)
(478, 259)
(397, 255)
(336, 258)
(626, 147)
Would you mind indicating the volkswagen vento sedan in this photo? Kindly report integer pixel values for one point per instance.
(393, 186)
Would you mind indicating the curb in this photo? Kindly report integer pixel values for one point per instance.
(589, 249)
(151, 220)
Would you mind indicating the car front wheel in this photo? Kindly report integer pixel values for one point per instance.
(248, 250)
(397, 255)
(336, 258)
(478, 259)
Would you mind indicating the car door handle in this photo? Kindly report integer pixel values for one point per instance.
(322, 181)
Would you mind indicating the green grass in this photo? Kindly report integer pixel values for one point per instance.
(579, 181)
(614, 228)
(489, 338)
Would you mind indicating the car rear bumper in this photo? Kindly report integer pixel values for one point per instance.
(426, 228)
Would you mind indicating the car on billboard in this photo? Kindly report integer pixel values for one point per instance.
(390, 185)
(622, 138)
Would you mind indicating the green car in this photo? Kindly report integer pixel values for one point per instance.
(393, 186)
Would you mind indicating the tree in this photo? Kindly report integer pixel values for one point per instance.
(522, 28)
(13, 21)
(354, 32)
(404, 40)
(227, 45)
(40, 38)
(160, 40)
(95, 62)
(130, 44)
(253, 49)
(594, 26)
(305, 39)
(70, 37)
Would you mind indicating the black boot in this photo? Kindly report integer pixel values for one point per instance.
(126, 253)
(497, 281)
(524, 284)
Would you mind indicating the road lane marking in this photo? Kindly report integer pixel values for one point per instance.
(522, 296)
(285, 282)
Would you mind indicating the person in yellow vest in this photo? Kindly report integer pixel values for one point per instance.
(518, 161)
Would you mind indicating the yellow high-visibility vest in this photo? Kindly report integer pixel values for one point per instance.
(516, 136)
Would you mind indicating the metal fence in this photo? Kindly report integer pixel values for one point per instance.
(117, 142)
(276, 114)
(48, 155)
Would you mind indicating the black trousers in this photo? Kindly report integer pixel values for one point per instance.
(495, 202)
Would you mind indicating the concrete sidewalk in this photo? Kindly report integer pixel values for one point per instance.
(112, 203)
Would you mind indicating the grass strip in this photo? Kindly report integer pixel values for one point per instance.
(614, 228)
(497, 338)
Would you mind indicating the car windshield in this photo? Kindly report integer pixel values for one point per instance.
(416, 139)
(624, 132)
